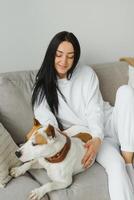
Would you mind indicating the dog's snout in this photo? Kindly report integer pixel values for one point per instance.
(18, 154)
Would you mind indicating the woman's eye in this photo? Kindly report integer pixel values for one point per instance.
(58, 55)
(70, 57)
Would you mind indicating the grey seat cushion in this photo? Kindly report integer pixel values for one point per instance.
(19, 188)
(8, 158)
(15, 97)
(88, 185)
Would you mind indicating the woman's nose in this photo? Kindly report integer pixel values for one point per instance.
(64, 60)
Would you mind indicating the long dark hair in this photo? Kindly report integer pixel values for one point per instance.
(46, 78)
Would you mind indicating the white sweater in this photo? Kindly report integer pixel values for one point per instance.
(83, 109)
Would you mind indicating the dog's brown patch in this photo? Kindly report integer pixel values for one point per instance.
(39, 139)
(35, 127)
(83, 136)
(50, 131)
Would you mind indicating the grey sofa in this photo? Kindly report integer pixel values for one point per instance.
(17, 117)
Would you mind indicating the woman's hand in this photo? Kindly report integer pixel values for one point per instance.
(92, 146)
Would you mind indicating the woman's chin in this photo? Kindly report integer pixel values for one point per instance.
(62, 75)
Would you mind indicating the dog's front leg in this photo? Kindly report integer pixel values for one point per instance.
(38, 193)
(17, 171)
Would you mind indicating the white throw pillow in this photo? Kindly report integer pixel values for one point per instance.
(131, 76)
(8, 158)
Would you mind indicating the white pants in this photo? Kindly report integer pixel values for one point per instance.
(119, 133)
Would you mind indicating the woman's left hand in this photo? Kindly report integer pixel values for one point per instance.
(92, 146)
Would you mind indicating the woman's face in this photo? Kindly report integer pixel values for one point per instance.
(64, 58)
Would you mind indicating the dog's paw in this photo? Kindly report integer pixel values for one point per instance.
(15, 172)
(35, 195)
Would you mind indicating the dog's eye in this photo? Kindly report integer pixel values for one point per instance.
(34, 144)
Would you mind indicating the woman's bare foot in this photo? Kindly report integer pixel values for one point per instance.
(129, 60)
(128, 156)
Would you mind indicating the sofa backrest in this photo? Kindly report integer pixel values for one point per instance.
(111, 77)
(16, 88)
(15, 103)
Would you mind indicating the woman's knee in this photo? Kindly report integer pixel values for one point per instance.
(117, 167)
(125, 92)
(109, 157)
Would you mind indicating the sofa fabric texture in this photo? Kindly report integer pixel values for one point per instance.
(8, 158)
(19, 188)
(111, 77)
(15, 109)
(16, 115)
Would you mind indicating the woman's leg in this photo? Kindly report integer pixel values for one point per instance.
(120, 187)
(123, 120)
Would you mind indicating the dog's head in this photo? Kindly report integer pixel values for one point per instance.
(42, 142)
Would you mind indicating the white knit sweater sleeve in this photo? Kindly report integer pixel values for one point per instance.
(43, 114)
(94, 107)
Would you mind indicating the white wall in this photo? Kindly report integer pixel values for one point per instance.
(105, 29)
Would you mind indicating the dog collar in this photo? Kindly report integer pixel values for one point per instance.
(60, 156)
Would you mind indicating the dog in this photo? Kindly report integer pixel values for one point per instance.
(53, 150)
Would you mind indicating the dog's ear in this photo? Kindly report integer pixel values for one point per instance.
(36, 122)
(36, 126)
(39, 139)
(50, 131)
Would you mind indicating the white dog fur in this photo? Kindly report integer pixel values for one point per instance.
(60, 173)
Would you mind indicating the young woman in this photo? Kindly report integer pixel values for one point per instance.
(67, 96)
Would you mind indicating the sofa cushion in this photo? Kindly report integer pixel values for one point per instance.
(40, 175)
(86, 185)
(19, 188)
(7, 156)
(111, 77)
(15, 108)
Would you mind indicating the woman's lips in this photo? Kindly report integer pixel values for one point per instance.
(63, 67)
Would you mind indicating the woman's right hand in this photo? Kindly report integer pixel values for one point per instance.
(92, 146)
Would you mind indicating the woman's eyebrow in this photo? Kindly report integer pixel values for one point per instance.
(71, 52)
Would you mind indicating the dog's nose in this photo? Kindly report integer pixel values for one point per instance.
(18, 154)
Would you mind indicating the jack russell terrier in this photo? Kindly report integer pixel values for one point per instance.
(54, 151)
